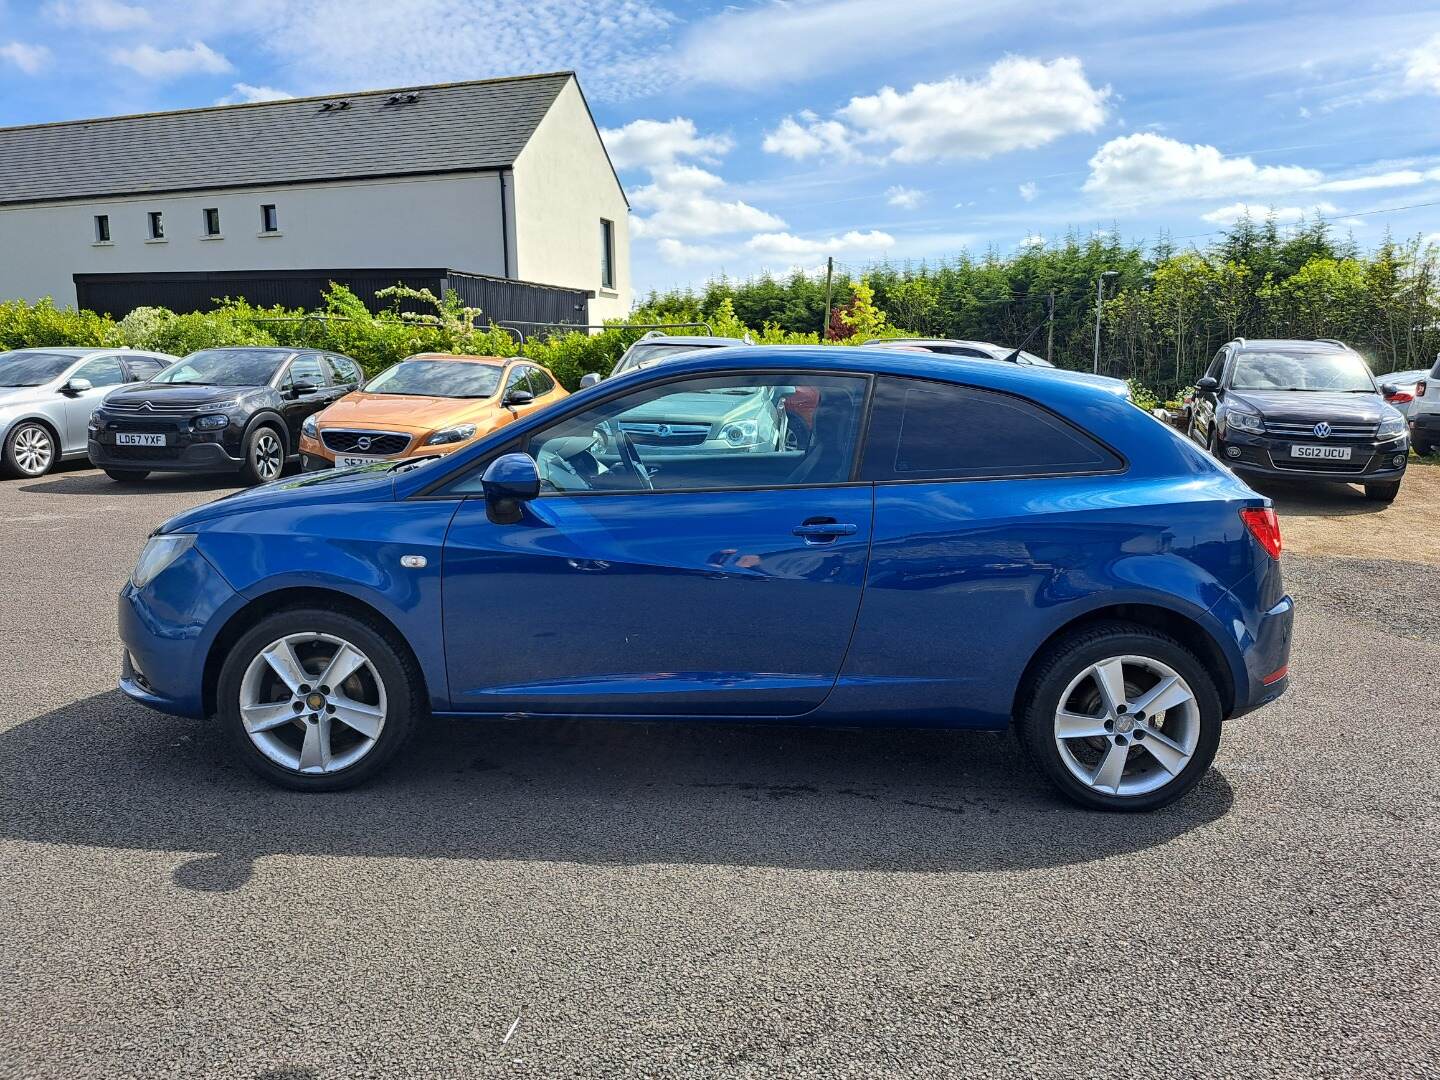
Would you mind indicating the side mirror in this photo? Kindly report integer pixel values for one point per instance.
(518, 397)
(1207, 385)
(1389, 390)
(302, 388)
(590, 378)
(510, 481)
(77, 386)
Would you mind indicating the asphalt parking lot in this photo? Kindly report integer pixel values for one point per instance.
(712, 901)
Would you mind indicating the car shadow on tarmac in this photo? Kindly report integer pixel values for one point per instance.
(570, 791)
(1330, 500)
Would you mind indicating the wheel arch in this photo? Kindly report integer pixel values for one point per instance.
(241, 621)
(36, 418)
(1183, 628)
(268, 418)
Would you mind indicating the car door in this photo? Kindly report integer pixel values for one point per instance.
(345, 375)
(305, 389)
(104, 374)
(707, 580)
(1206, 401)
(519, 378)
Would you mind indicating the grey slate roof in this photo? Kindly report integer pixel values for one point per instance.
(453, 127)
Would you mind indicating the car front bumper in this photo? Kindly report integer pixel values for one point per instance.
(183, 451)
(167, 629)
(1370, 460)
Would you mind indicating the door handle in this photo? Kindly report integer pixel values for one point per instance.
(821, 531)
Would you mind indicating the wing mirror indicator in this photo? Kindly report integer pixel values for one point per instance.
(509, 482)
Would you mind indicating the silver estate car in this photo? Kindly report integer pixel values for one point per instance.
(48, 394)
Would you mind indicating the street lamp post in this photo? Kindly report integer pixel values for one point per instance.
(1099, 300)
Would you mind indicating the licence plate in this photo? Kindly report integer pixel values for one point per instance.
(344, 461)
(1321, 453)
(134, 439)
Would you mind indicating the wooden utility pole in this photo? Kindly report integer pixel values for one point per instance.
(1050, 329)
(829, 277)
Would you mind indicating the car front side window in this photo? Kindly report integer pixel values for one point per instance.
(102, 371)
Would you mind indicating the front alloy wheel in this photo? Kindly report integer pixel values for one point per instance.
(317, 700)
(264, 456)
(30, 451)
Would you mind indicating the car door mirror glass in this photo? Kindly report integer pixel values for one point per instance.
(508, 482)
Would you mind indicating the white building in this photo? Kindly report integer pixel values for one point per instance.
(467, 185)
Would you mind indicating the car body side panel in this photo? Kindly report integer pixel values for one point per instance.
(351, 547)
(968, 579)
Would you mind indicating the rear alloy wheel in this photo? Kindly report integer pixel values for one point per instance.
(1384, 493)
(1122, 717)
(317, 701)
(264, 456)
(30, 450)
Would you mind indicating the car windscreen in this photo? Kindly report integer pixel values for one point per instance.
(437, 378)
(1280, 369)
(225, 367)
(22, 368)
(642, 356)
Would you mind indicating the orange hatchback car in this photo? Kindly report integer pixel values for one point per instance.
(427, 404)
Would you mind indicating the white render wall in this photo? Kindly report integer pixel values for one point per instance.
(451, 222)
(563, 187)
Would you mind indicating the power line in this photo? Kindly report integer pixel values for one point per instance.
(1359, 213)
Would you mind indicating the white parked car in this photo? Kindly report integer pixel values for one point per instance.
(1424, 412)
(1400, 387)
(47, 396)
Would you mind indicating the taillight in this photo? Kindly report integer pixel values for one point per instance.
(1400, 397)
(1264, 526)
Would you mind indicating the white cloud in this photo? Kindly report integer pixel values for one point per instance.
(98, 14)
(681, 199)
(810, 136)
(1420, 73)
(195, 59)
(787, 245)
(1399, 178)
(903, 197)
(30, 59)
(678, 253)
(1146, 167)
(245, 94)
(1029, 191)
(1283, 215)
(650, 143)
(1019, 104)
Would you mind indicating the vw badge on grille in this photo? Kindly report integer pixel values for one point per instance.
(1322, 430)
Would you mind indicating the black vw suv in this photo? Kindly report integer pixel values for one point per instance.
(1300, 409)
(218, 410)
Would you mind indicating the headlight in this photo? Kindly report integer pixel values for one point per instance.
(451, 435)
(310, 429)
(1241, 420)
(741, 433)
(1391, 426)
(158, 553)
(213, 422)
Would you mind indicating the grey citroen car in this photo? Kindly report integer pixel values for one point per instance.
(47, 396)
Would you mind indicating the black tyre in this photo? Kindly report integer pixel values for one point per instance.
(30, 450)
(290, 725)
(1384, 493)
(1121, 717)
(264, 455)
(123, 475)
(1422, 446)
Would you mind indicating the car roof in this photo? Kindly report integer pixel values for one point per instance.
(69, 350)
(1302, 344)
(465, 358)
(881, 343)
(697, 341)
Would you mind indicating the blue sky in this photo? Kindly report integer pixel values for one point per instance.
(770, 134)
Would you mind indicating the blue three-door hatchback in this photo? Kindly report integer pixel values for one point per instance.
(881, 538)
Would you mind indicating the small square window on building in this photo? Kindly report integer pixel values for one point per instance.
(102, 228)
(607, 254)
(157, 225)
(212, 221)
(269, 220)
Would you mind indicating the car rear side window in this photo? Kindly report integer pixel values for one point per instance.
(922, 430)
(344, 370)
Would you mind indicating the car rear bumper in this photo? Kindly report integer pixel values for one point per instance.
(1266, 648)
